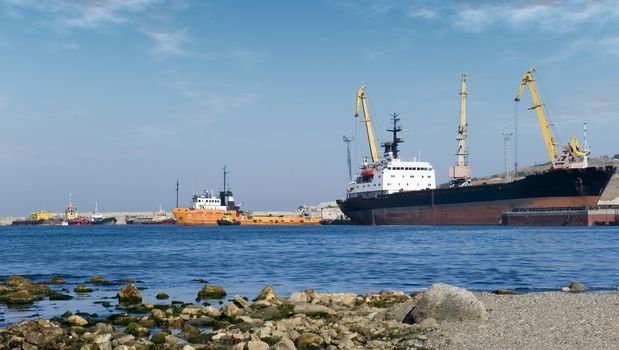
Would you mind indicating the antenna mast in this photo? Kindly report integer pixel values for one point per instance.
(507, 138)
(176, 193)
(225, 177)
(348, 140)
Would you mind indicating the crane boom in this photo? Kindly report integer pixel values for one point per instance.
(551, 145)
(361, 101)
(461, 172)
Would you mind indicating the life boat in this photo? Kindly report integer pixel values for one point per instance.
(369, 172)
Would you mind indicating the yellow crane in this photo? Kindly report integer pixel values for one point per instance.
(361, 101)
(461, 172)
(572, 156)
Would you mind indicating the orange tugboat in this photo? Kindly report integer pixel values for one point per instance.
(209, 210)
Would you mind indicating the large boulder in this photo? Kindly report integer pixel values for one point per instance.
(401, 312)
(130, 294)
(443, 302)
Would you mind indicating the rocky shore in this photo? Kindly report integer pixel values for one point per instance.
(442, 317)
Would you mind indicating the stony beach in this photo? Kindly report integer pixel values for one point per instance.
(442, 317)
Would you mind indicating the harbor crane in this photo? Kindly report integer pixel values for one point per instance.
(362, 101)
(461, 172)
(571, 155)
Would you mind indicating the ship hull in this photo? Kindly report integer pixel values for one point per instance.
(197, 217)
(480, 204)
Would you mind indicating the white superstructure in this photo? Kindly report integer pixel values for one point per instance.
(392, 174)
(207, 201)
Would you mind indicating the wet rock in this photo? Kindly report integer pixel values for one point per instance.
(313, 310)
(96, 279)
(162, 296)
(54, 280)
(77, 320)
(267, 293)
(576, 286)
(503, 292)
(20, 297)
(212, 291)
(82, 289)
(130, 294)
(137, 330)
(448, 303)
(203, 321)
(159, 338)
(158, 314)
(59, 296)
(17, 281)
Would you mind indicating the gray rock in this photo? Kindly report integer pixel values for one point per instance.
(267, 293)
(448, 303)
(313, 310)
(231, 310)
(401, 312)
(285, 344)
(257, 345)
(298, 298)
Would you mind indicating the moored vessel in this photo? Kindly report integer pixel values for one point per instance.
(372, 199)
(209, 210)
(160, 217)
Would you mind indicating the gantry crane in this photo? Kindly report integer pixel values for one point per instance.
(572, 156)
(461, 172)
(361, 100)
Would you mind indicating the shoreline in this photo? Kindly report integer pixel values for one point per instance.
(312, 320)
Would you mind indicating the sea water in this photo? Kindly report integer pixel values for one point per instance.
(325, 258)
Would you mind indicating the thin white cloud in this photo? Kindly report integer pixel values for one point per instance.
(547, 16)
(424, 13)
(367, 7)
(214, 100)
(246, 58)
(71, 15)
(167, 42)
(85, 14)
(609, 45)
(60, 46)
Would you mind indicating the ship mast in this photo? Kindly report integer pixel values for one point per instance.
(461, 172)
(348, 140)
(393, 145)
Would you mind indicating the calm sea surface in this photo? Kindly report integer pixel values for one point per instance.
(326, 258)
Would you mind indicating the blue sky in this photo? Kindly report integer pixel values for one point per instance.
(114, 100)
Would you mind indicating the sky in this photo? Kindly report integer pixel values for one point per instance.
(114, 100)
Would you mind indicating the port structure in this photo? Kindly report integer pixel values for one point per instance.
(571, 155)
(362, 102)
(460, 173)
